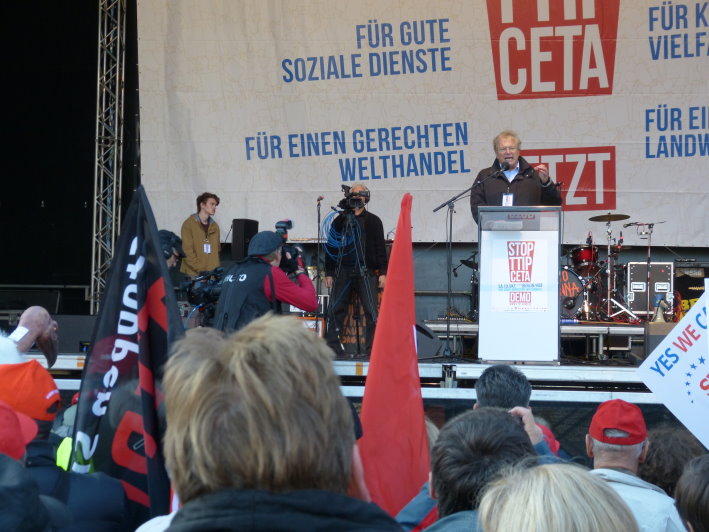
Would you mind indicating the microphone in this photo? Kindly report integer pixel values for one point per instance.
(629, 224)
(503, 166)
(320, 198)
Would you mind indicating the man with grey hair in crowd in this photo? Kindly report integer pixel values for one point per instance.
(617, 442)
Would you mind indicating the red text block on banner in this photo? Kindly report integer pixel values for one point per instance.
(553, 48)
(587, 175)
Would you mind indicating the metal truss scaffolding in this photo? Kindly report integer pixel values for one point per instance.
(109, 142)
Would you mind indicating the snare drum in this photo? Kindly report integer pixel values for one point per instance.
(585, 260)
(570, 296)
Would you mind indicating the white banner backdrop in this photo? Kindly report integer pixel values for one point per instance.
(270, 104)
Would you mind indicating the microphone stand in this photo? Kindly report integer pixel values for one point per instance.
(447, 351)
(646, 228)
(318, 283)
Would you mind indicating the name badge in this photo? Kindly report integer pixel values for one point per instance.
(508, 200)
(207, 248)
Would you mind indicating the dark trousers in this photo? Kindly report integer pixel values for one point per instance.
(344, 284)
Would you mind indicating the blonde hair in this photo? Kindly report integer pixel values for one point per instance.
(508, 133)
(260, 409)
(554, 498)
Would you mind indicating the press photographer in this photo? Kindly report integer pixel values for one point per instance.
(355, 261)
(257, 284)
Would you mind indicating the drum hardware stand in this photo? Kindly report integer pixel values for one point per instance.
(450, 203)
(611, 289)
(471, 263)
(318, 275)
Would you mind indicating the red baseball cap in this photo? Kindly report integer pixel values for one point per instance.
(619, 415)
(16, 431)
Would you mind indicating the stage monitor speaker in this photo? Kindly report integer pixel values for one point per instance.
(661, 279)
(242, 231)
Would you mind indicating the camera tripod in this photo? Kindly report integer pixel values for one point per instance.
(351, 276)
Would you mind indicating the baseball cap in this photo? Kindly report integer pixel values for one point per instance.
(265, 242)
(16, 431)
(619, 415)
(30, 389)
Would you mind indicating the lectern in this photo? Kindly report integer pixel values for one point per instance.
(519, 284)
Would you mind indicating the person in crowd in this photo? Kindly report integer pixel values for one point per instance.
(617, 443)
(201, 239)
(22, 508)
(692, 494)
(285, 457)
(356, 261)
(671, 448)
(504, 386)
(511, 180)
(471, 450)
(423, 509)
(96, 501)
(257, 285)
(553, 497)
(171, 246)
(24, 383)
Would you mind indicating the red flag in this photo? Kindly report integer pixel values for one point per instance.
(394, 447)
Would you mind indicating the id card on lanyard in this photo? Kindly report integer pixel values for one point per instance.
(508, 199)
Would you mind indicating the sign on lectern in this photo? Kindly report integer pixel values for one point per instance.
(519, 284)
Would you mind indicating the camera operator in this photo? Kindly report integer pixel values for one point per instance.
(256, 285)
(354, 262)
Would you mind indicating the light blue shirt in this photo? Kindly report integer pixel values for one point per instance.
(512, 173)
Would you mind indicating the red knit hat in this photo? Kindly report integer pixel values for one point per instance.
(620, 415)
(16, 431)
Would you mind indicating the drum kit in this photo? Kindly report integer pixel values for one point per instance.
(591, 288)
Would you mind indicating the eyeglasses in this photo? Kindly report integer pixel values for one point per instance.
(507, 148)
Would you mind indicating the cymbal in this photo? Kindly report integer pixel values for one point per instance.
(608, 217)
(469, 263)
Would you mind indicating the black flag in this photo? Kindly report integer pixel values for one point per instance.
(119, 422)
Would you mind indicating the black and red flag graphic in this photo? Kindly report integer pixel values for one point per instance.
(120, 422)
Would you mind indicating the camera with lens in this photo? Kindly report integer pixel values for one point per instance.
(204, 291)
(353, 200)
(289, 252)
(205, 288)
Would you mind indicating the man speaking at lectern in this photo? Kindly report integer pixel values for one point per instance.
(511, 181)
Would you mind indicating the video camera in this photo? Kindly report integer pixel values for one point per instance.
(204, 289)
(353, 200)
(288, 265)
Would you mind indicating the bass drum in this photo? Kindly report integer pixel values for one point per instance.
(570, 293)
